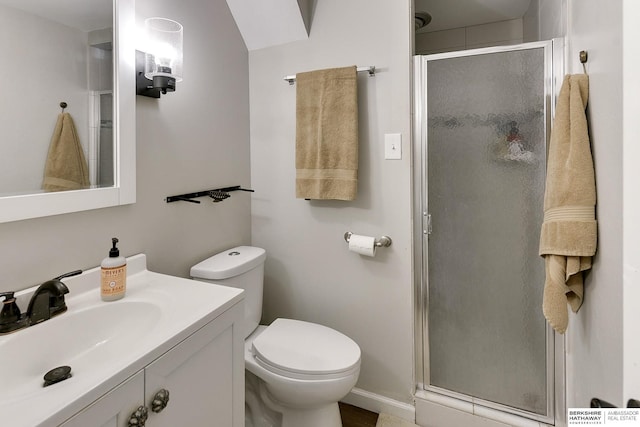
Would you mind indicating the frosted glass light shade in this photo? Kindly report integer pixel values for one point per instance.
(163, 53)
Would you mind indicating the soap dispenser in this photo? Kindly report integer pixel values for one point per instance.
(113, 274)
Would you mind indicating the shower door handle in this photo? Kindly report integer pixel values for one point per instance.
(426, 228)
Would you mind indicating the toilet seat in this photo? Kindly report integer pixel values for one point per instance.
(303, 350)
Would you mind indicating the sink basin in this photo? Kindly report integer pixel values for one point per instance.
(83, 339)
(104, 343)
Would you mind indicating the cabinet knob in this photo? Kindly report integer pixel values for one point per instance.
(160, 401)
(139, 417)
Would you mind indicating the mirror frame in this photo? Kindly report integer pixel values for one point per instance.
(15, 208)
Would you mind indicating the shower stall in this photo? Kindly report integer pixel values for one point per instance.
(101, 146)
(482, 121)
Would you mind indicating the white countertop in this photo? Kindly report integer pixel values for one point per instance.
(180, 307)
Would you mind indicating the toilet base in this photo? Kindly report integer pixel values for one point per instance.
(321, 416)
(256, 413)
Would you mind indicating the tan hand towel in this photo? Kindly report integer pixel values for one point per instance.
(569, 232)
(66, 167)
(327, 134)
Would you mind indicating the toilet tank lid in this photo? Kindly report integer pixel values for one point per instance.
(229, 263)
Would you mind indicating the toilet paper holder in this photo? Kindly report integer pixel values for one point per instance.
(383, 241)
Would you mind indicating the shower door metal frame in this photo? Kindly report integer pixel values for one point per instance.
(555, 360)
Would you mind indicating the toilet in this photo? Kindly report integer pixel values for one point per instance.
(299, 370)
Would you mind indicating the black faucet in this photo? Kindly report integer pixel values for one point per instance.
(47, 301)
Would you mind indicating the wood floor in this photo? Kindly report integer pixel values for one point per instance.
(352, 416)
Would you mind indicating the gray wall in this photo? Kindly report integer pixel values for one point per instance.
(310, 274)
(594, 337)
(194, 139)
(594, 340)
(631, 213)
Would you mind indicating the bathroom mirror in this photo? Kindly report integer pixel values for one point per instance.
(81, 52)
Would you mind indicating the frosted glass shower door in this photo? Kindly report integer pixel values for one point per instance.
(484, 172)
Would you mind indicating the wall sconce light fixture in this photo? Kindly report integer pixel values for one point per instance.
(159, 67)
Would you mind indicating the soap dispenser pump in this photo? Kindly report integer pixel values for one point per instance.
(113, 274)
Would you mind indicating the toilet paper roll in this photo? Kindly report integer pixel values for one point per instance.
(363, 245)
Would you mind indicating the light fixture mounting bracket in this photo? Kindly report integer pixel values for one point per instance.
(145, 86)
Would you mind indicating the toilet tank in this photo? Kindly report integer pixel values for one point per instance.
(240, 267)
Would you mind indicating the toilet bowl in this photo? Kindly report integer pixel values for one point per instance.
(304, 385)
(303, 369)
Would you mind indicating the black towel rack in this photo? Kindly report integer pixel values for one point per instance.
(217, 194)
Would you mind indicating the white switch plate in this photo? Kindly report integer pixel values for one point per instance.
(393, 146)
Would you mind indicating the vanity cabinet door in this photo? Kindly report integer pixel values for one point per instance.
(204, 376)
(114, 408)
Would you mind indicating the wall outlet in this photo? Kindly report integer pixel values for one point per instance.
(393, 146)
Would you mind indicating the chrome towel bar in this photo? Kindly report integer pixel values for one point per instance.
(371, 69)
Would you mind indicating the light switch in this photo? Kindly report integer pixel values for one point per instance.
(393, 146)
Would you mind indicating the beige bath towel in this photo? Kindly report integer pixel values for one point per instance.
(66, 167)
(569, 231)
(327, 134)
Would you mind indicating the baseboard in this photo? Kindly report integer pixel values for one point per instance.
(377, 403)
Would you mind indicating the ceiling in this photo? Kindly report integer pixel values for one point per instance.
(447, 14)
(267, 23)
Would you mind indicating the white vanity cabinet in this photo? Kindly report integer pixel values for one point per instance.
(204, 375)
(114, 408)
